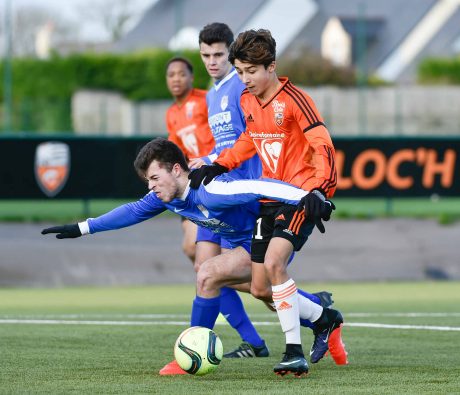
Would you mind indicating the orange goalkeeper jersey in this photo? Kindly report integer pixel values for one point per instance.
(289, 135)
(188, 126)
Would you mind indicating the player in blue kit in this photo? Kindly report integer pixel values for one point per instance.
(225, 116)
(226, 120)
(227, 207)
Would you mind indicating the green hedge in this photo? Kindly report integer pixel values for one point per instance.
(439, 71)
(310, 69)
(139, 76)
(42, 89)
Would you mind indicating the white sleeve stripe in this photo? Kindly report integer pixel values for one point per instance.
(267, 189)
(84, 228)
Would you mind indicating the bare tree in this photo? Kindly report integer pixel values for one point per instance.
(115, 15)
(28, 21)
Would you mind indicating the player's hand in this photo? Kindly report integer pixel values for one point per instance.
(205, 174)
(317, 208)
(196, 163)
(71, 231)
(330, 207)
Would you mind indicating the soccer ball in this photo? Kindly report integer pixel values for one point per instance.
(198, 350)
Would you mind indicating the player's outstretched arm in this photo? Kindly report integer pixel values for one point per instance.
(120, 217)
(70, 231)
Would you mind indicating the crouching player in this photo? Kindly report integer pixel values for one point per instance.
(188, 127)
(227, 207)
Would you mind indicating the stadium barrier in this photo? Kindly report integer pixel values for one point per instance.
(68, 167)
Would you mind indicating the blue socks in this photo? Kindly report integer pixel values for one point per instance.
(233, 310)
(205, 312)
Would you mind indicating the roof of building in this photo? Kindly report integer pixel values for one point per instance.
(388, 24)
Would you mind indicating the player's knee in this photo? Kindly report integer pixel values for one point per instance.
(262, 293)
(206, 279)
(274, 268)
(201, 282)
(189, 250)
(271, 269)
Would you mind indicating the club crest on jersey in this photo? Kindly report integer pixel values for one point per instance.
(52, 167)
(278, 110)
(189, 106)
(224, 102)
(270, 151)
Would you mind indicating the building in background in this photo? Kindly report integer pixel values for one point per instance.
(386, 38)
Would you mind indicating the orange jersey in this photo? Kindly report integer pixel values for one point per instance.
(288, 134)
(188, 126)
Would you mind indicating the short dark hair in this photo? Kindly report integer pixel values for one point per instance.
(165, 152)
(180, 59)
(253, 46)
(216, 33)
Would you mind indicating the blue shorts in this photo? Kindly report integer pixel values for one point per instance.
(204, 234)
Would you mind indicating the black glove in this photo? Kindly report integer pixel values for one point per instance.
(206, 174)
(71, 231)
(328, 210)
(316, 208)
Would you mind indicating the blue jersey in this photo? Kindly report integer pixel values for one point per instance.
(225, 206)
(226, 120)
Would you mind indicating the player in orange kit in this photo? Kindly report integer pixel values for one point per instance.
(187, 124)
(285, 129)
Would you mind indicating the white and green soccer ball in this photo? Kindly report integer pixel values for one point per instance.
(198, 350)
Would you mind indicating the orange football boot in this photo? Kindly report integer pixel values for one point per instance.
(337, 347)
(172, 369)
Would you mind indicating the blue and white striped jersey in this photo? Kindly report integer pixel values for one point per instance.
(226, 120)
(225, 206)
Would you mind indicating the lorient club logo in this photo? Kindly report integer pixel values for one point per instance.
(52, 167)
(278, 111)
(189, 106)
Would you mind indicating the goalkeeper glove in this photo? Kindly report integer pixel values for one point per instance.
(71, 231)
(206, 174)
(317, 208)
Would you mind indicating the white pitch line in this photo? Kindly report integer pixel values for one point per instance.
(87, 322)
(185, 323)
(92, 315)
(405, 315)
(187, 316)
(391, 326)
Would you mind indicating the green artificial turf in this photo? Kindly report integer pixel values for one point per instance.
(445, 210)
(115, 340)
